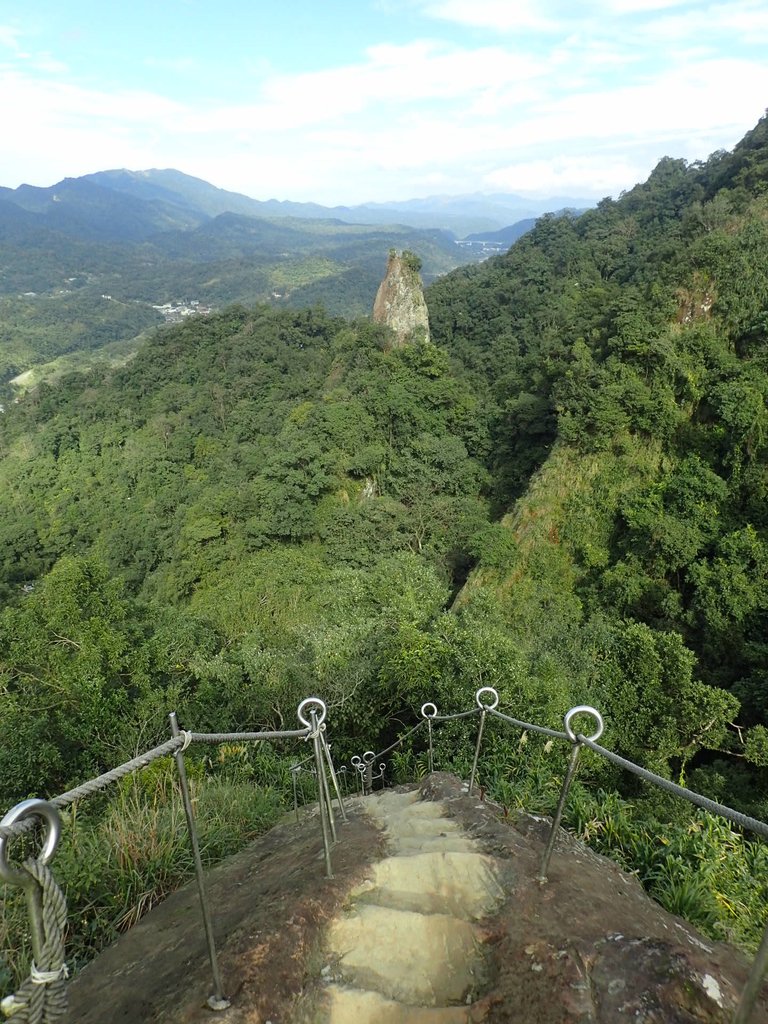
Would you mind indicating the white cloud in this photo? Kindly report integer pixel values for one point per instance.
(47, 64)
(40, 61)
(9, 37)
(592, 113)
(662, 20)
(587, 175)
(393, 79)
(641, 6)
(67, 130)
(745, 21)
(708, 94)
(180, 65)
(498, 15)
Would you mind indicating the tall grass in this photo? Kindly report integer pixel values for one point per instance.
(698, 866)
(120, 856)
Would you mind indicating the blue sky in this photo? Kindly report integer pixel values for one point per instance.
(344, 101)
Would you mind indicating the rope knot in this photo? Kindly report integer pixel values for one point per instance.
(38, 977)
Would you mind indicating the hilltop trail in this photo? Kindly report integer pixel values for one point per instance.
(411, 950)
(434, 916)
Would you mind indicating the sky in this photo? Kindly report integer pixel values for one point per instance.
(349, 101)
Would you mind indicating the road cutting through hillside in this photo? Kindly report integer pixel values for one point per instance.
(408, 948)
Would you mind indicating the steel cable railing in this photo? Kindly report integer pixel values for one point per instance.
(759, 967)
(363, 765)
(48, 969)
(41, 999)
(429, 714)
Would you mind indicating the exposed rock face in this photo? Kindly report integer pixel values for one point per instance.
(400, 300)
(589, 947)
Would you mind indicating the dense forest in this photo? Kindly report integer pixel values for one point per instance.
(563, 496)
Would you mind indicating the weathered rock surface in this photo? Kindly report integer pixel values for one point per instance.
(400, 300)
(588, 947)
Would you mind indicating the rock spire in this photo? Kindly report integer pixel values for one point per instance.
(400, 299)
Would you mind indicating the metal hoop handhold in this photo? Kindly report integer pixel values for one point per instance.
(311, 702)
(487, 707)
(425, 714)
(29, 809)
(369, 757)
(356, 761)
(583, 709)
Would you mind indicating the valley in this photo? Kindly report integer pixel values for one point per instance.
(154, 241)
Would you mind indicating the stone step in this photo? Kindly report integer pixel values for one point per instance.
(414, 826)
(407, 846)
(428, 960)
(444, 881)
(354, 1006)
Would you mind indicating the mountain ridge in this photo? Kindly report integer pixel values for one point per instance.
(460, 214)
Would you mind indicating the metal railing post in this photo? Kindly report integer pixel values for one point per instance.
(313, 723)
(357, 763)
(429, 716)
(753, 984)
(570, 772)
(332, 770)
(217, 1000)
(483, 709)
(368, 758)
(295, 769)
(326, 788)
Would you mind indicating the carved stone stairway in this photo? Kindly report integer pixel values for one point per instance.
(409, 949)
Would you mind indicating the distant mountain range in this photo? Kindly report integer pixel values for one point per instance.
(504, 236)
(171, 197)
(466, 214)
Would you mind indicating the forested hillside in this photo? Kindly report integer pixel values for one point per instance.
(624, 357)
(563, 497)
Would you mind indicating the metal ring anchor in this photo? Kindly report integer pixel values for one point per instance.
(29, 809)
(311, 702)
(487, 707)
(425, 713)
(583, 709)
(369, 757)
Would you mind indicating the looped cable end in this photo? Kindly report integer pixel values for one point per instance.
(492, 694)
(317, 705)
(187, 740)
